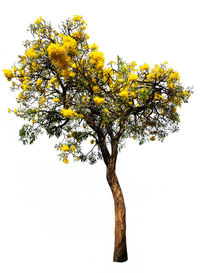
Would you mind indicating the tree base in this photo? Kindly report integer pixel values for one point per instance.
(121, 258)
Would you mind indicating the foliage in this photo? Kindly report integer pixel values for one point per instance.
(67, 90)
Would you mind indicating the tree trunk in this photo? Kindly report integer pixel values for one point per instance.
(120, 250)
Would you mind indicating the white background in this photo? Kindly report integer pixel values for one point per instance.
(57, 218)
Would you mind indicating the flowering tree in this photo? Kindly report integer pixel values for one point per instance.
(68, 91)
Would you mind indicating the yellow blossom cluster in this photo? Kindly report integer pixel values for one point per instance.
(158, 97)
(95, 89)
(31, 53)
(64, 148)
(8, 74)
(25, 83)
(145, 66)
(65, 160)
(97, 59)
(150, 76)
(21, 96)
(42, 100)
(53, 80)
(174, 76)
(124, 94)
(133, 86)
(38, 21)
(39, 82)
(56, 100)
(186, 94)
(77, 18)
(68, 113)
(132, 77)
(98, 101)
(57, 54)
(94, 47)
(73, 148)
(69, 44)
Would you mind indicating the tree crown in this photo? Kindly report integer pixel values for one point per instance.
(67, 90)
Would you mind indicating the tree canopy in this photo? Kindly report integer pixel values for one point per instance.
(67, 90)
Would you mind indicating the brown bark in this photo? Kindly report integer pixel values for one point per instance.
(120, 249)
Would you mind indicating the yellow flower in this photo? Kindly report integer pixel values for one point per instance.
(98, 101)
(174, 76)
(150, 76)
(77, 34)
(73, 147)
(8, 74)
(97, 59)
(33, 66)
(186, 94)
(83, 98)
(9, 110)
(158, 96)
(55, 51)
(31, 53)
(69, 113)
(92, 141)
(94, 46)
(77, 18)
(95, 89)
(65, 148)
(170, 85)
(38, 21)
(73, 65)
(56, 100)
(123, 94)
(132, 77)
(52, 80)
(58, 55)
(144, 67)
(133, 95)
(72, 74)
(20, 95)
(65, 74)
(42, 100)
(39, 82)
(69, 44)
(21, 72)
(65, 160)
(14, 69)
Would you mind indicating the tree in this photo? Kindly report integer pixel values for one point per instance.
(67, 91)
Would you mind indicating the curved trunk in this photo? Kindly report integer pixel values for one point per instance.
(120, 250)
